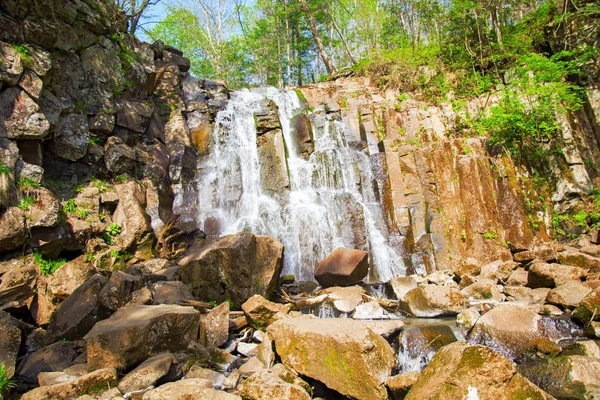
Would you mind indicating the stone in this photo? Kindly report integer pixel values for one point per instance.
(21, 117)
(71, 138)
(247, 349)
(343, 267)
(67, 278)
(341, 353)
(12, 229)
(233, 267)
(54, 378)
(182, 63)
(508, 328)
(587, 348)
(188, 389)
(588, 307)
(388, 329)
(466, 319)
(459, 369)
(252, 366)
(519, 277)
(90, 383)
(483, 289)
(142, 296)
(170, 292)
(117, 291)
(468, 267)
(53, 358)
(344, 299)
(370, 310)
(32, 84)
(545, 254)
(580, 259)
(552, 275)
(266, 385)
(415, 342)
(214, 326)
(527, 296)
(569, 294)
(133, 333)
(399, 385)
(10, 342)
(273, 162)
(401, 285)
(146, 374)
(197, 371)
(131, 215)
(261, 312)
(118, 157)
(18, 282)
(11, 66)
(565, 377)
(134, 115)
(101, 123)
(45, 212)
(433, 301)
(78, 313)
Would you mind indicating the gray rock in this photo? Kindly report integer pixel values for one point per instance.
(72, 137)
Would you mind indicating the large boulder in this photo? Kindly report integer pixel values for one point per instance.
(72, 137)
(21, 117)
(147, 373)
(433, 301)
(508, 328)
(66, 279)
(588, 307)
(261, 312)
(133, 333)
(461, 371)
(343, 267)
(234, 267)
(267, 385)
(10, 342)
(118, 157)
(569, 294)
(53, 358)
(12, 229)
(188, 389)
(565, 377)
(131, 215)
(343, 354)
(91, 383)
(552, 275)
(214, 326)
(344, 299)
(19, 277)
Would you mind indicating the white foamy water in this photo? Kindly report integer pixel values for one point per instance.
(331, 201)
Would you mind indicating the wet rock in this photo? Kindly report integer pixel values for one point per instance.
(234, 267)
(12, 229)
(267, 118)
(508, 328)
(261, 312)
(133, 333)
(116, 293)
(66, 279)
(197, 372)
(170, 292)
(118, 157)
(423, 341)
(19, 280)
(53, 358)
(71, 138)
(21, 117)
(273, 162)
(147, 373)
(569, 294)
(387, 329)
(188, 389)
(79, 312)
(565, 377)
(370, 310)
(588, 307)
(343, 267)
(432, 301)
(344, 299)
(402, 285)
(460, 368)
(89, 383)
(343, 354)
(266, 385)
(583, 348)
(483, 289)
(214, 326)
(552, 275)
(399, 385)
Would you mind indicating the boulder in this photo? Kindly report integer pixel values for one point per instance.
(21, 117)
(569, 294)
(508, 328)
(214, 326)
(117, 291)
(401, 285)
(131, 215)
(388, 329)
(93, 382)
(266, 385)
(519, 277)
(483, 289)
(422, 341)
(71, 138)
(53, 358)
(133, 333)
(546, 254)
(399, 385)
(118, 157)
(11, 66)
(188, 389)
(525, 295)
(261, 312)
(344, 299)
(252, 366)
(341, 353)
(370, 310)
(466, 319)
(170, 292)
(10, 342)
(552, 275)
(19, 277)
(343, 267)
(234, 267)
(460, 371)
(67, 278)
(580, 259)
(273, 162)
(433, 301)
(147, 373)
(134, 115)
(565, 377)
(588, 307)
(45, 212)
(12, 229)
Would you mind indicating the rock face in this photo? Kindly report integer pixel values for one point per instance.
(234, 267)
(343, 354)
(459, 369)
(343, 267)
(432, 301)
(133, 333)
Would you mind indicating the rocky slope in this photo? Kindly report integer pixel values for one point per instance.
(100, 141)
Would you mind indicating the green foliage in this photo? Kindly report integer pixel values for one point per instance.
(94, 140)
(70, 206)
(47, 267)
(23, 53)
(113, 229)
(101, 185)
(82, 214)
(5, 383)
(90, 257)
(121, 178)
(28, 185)
(78, 188)
(26, 202)
(491, 235)
(79, 106)
(4, 170)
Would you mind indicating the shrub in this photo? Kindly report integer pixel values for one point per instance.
(113, 229)
(70, 206)
(26, 202)
(47, 267)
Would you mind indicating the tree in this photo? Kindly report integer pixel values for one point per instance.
(317, 37)
(134, 10)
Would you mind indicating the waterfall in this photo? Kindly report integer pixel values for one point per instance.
(329, 201)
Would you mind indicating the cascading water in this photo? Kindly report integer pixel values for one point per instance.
(330, 201)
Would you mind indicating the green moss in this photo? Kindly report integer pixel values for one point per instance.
(301, 96)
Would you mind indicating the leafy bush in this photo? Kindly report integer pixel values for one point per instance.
(113, 229)
(70, 206)
(47, 267)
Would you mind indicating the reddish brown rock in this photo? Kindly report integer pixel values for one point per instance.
(552, 275)
(343, 267)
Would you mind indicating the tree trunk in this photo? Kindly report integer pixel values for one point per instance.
(315, 32)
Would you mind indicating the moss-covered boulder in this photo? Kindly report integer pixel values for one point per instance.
(343, 354)
(460, 369)
(588, 307)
